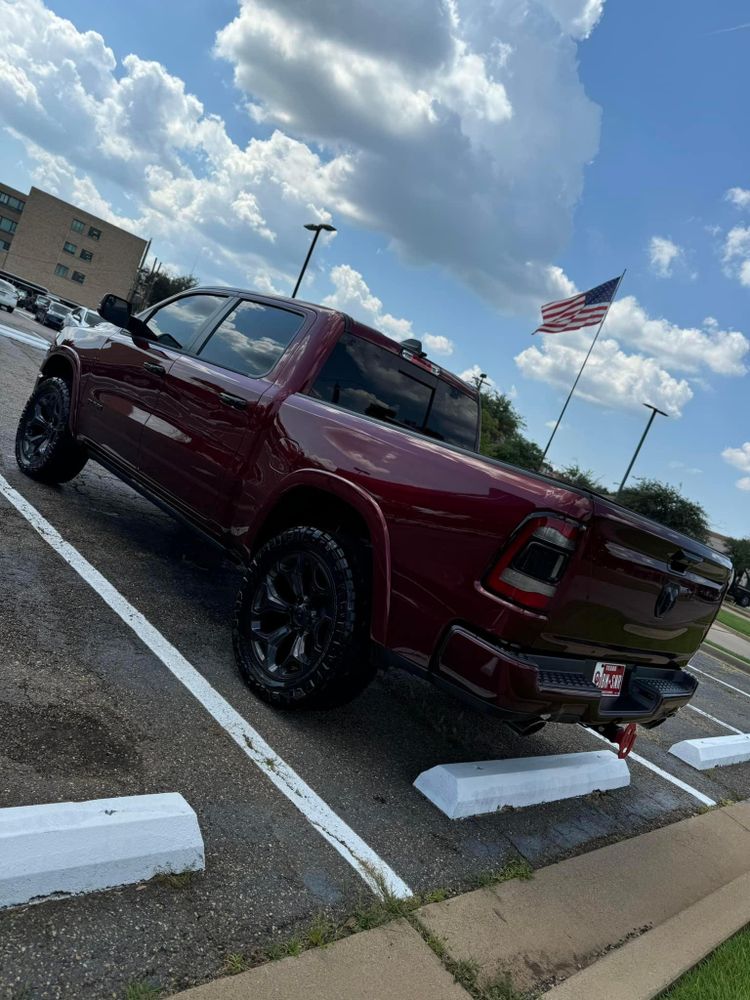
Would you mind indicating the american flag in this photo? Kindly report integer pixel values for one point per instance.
(584, 309)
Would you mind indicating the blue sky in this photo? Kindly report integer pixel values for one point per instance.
(478, 159)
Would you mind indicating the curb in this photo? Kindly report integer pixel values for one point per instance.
(64, 848)
(642, 969)
(724, 655)
(653, 907)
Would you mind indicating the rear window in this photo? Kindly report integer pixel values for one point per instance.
(367, 379)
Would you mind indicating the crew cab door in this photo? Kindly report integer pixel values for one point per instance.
(125, 375)
(196, 440)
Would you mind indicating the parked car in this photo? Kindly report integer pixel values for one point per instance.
(84, 317)
(340, 468)
(53, 314)
(8, 296)
(740, 589)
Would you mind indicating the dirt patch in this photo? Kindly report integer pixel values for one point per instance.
(61, 740)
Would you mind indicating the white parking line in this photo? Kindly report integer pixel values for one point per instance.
(375, 872)
(719, 681)
(24, 338)
(657, 770)
(714, 719)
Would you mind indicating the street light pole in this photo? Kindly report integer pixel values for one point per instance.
(316, 228)
(654, 411)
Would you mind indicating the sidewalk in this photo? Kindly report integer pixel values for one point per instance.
(615, 913)
(729, 640)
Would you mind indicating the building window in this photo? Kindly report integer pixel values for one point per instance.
(61, 270)
(4, 245)
(94, 233)
(69, 247)
(77, 226)
(77, 276)
(86, 255)
(15, 203)
(7, 225)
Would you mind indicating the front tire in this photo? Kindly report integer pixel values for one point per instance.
(45, 448)
(301, 628)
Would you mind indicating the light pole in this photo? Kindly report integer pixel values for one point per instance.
(481, 380)
(313, 227)
(654, 411)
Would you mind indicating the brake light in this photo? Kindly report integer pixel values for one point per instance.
(532, 566)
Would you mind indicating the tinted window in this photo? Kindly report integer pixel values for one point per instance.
(368, 379)
(176, 324)
(252, 338)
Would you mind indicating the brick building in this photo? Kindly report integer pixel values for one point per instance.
(77, 256)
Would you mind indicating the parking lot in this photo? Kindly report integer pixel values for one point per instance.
(88, 709)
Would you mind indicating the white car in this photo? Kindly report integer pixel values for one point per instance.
(8, 296)
(84, 317)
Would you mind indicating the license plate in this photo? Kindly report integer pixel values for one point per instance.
(608, 677)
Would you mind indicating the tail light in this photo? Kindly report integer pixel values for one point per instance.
(530, 569)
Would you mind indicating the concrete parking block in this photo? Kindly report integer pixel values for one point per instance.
(388, 963)
(461, 790)
(573, 911)
(713, 751)
(63, 848)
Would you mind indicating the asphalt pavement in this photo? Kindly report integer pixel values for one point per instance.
(88, 710)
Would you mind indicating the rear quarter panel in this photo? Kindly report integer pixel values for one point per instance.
(447, 514)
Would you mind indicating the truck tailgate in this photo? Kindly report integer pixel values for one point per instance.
(653, 592)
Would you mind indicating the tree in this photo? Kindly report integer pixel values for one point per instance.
(665, 504)
(739, 553)
(576, 476)
(164, 284)
(501, 433)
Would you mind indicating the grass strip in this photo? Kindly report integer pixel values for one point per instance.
(724, 975)
(727, 652)
(735, 622)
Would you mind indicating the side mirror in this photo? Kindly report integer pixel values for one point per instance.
(115, 310)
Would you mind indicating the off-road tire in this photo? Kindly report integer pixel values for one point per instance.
(343, 666)
(45, 448)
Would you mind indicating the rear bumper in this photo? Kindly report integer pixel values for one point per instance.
(524, 686)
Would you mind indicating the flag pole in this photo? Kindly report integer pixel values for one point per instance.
(588, 355)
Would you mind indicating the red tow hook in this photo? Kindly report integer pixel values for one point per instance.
(624, 738)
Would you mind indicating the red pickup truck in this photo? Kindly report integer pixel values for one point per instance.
(341, 469)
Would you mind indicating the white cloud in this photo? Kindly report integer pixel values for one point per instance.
(662, 254)
(636, 359)
(736, 254)
(740, 459)
(352, 295)
(679, 348)
(454, 120)
(444, 126)
(740, 197)
(691, 470)
(474, 373)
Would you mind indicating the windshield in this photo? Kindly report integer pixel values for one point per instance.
(61, 310)
(5, 286)
(369, 379)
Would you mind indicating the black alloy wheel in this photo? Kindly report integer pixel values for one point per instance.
(291, 616)
(301, 629)
(45, 448)
(42, 425)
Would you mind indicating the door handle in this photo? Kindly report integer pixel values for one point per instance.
(234, 401)
(155, 367)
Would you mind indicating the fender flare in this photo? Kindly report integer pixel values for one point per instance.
(71, 359)
(368, 509)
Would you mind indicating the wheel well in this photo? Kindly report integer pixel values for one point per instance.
(60, 368)
(318, 509)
